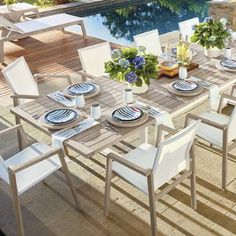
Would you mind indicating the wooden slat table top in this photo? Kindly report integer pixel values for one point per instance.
(98, 137)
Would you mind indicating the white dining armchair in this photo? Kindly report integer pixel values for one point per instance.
(28, 167)
(187, 27)
(218, 130)
(23, 83)
(149, 167)
(150, 40)
(93, 58)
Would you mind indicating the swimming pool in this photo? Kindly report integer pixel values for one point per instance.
(119, 25)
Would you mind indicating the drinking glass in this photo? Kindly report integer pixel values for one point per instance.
(96, 112)
(128, 96)
(227, 53)
(183, 73)
(79, 100)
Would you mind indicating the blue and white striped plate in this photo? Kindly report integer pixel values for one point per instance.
(229, 63)
(61, 116)
(185, 86)
(127, 114)
(82, 88)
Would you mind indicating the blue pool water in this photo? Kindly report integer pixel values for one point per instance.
(121, 24)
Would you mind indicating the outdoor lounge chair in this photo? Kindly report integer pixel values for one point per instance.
(149, 167)
(28, 28)
(218, 130)
(28, 167)
(187, 27)
(150, 40)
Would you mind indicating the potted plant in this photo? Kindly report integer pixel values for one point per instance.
(133, 66)
(212, 35)
(9, 4)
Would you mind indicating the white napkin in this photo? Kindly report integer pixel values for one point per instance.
(60, 136)
(59, 97)
(214, 93)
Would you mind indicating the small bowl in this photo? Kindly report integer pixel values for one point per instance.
(168, 65)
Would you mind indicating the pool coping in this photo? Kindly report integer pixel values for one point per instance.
(83, 7)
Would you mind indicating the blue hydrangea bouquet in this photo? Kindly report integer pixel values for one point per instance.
(132, 65)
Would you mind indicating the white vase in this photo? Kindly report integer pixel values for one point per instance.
(183, 72)
(213, 52)
(138, 90)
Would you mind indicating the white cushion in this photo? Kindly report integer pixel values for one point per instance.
(209, 133)
(143, 156)
(47, 22)
(34, 174)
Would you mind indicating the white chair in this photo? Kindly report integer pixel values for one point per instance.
(149, 167)
(93, 58)
(36, 26)
(218, 130)
(23, 83)
(28, 167)
(187, 27)
(150, 40)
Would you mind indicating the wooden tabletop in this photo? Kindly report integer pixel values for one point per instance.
(98, 137)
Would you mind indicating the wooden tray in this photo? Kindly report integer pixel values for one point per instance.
(173, 73)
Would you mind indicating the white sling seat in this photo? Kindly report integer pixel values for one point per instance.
(218, 130)
(35, 26)
(93, 58)
(148, 167)
(187, 27)
(150, 40)
(28, 167)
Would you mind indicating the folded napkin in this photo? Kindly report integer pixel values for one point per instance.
(59, 97)
(60, 136)
(162, 117)
(214, 93)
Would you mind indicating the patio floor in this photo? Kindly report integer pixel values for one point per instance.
(48, 207)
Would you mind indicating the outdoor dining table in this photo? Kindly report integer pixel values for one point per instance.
(18, 10)
(98, 137)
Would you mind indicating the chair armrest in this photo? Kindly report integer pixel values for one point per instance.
(228, 98)
(129, 164)
(162, 129)
(86, 75)
(16, 98)
(233, 90)
(19, 128)
(65, 76)
(15, 169)
(206, 121)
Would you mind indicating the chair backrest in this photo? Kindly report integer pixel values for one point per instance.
(232, 126)
(150, 40)
(93, 58)
(187, 27)
(9, 25)
(3, 170)
(20, 78)
(173, 155)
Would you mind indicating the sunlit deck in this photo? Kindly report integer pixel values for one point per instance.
(47, 208)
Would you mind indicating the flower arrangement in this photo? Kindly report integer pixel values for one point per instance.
(211, 33)
(132, 65)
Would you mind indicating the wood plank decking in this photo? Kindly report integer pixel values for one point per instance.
(52, 52)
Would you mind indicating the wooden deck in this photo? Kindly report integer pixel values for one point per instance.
(52, 52)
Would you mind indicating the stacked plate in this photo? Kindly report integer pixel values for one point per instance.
(127, 117)
(60, 118)
(88, 89)
(227, 65)
(185, 88)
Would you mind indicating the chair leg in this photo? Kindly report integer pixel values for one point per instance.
(69, 180)
(16, 205)
(108, 187)
(193, 180)
(83, 30)
(1, 51)
(19, 137)
(224, 159)
(152, 204)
